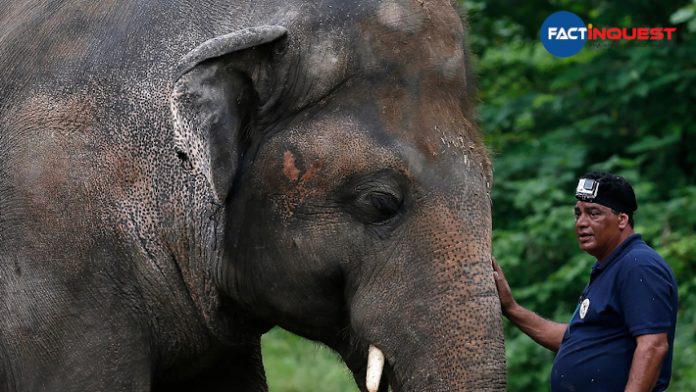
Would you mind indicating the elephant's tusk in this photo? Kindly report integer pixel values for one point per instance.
(375, 363)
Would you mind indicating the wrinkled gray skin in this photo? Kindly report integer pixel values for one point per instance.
(166, 199)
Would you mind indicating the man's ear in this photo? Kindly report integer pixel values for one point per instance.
(214, 97)
(623, 220)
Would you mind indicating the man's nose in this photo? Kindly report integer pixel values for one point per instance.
(581, 221)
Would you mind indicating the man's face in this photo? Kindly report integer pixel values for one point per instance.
(598, 229)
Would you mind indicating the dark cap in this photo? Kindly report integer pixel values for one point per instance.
(608, 190)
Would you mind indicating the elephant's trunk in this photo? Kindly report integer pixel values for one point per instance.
(452, 341)
(467, 355)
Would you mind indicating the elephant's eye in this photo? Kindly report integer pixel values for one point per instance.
(376, 199)
(378, 206)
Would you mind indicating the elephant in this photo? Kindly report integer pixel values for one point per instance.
(178, 177)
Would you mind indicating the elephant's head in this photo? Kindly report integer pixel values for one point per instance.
(354, 187)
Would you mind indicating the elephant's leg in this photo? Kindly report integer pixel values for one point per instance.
(236, 369)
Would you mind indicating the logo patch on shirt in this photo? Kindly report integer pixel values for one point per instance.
(583, 307)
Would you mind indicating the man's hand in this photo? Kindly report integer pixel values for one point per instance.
(545, 332)
(507, 301)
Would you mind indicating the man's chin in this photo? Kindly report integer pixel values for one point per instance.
(586, 245)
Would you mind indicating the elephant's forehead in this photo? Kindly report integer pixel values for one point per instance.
(411, 37)
(412, 53)
(392, 43)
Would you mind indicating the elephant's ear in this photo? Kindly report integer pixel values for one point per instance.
(213, 97)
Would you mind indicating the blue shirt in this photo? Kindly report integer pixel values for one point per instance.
(633, 292)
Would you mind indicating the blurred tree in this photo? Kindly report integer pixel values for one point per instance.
(627, 108)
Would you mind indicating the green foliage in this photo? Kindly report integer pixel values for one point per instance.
(624, 108)
(294, 364)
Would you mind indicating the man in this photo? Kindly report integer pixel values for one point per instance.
(621, 335)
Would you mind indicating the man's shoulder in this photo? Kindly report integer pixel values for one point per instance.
(640, 256)
(642, 252)
(638, 251)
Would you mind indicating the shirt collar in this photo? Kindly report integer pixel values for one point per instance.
(615, 254)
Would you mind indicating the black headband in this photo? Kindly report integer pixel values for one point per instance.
(608, 190)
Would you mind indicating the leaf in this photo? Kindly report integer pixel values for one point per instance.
(683, 14)
(652, 143)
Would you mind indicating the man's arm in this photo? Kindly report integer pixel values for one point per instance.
(545, 332)
(647, 362)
